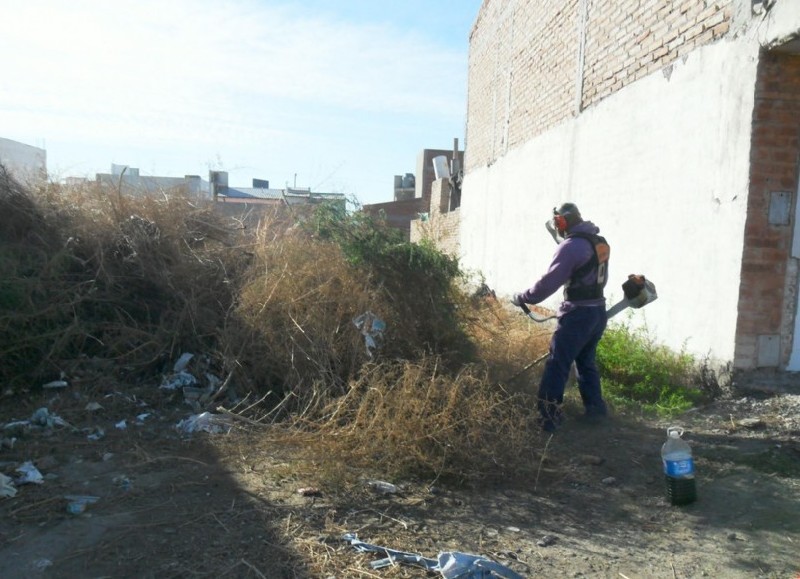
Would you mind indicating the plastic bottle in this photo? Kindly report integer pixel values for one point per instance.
(676, 457)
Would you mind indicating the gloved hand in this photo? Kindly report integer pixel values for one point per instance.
(516, 299)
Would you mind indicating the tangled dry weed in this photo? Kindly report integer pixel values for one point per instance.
(135, 281)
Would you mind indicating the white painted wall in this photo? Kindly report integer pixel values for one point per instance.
(662, 168)
(779, 23)
(24, 162)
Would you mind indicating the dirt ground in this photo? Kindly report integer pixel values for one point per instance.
(224, 505)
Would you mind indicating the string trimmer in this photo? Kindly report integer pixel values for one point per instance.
(638, 292)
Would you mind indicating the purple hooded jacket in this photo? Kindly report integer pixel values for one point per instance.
(571, 254)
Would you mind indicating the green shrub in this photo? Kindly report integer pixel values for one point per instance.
(638, 372)
(418, 282)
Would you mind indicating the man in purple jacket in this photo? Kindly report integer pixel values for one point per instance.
(580, 264)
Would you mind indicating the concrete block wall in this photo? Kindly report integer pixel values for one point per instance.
(768, 292)
(535, 64)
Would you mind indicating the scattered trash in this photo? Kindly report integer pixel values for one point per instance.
(610, 480)
(108, 456)
(183, 362)
(92, 406)
(140, 418)
(97, 434)
(8, 442)
(78, 503)
(451, 564)
(372, 328)
(178, 380)
(43, 417)
(30, 474)
(213, 423)
(547, 541)
(121, 425)
(309, 492)
(56, 384)
(382, 486)
(7, 488)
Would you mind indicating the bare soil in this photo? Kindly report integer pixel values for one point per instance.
(214, 505)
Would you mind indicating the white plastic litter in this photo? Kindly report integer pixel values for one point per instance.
(43, 417)
(182, 362)
(7, 488)
(98, 434)
(207, 422)
(372, 328)
(92, 406)
(30, 474)
(121, 425)
(179, 380)
(56, 384)
(382, 486)
(77, 503)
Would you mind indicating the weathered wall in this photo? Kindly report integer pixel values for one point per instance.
(529, 60)
(662, 167)
(652, 139)
(767, 301)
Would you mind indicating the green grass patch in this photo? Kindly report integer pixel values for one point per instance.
(640, 374)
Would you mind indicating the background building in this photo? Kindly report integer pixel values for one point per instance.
(25, 163)
(412, 191)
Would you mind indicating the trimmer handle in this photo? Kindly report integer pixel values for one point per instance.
(524, 307)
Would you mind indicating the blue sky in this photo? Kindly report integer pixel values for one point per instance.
(336, 95)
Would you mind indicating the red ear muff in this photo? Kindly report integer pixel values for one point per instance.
(560, 222)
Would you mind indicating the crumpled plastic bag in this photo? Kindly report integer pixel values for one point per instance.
(451, 564)
(7, 488)
(178, 380)
(207, 422)
(29, 474)
(372, 328)
(43, 417)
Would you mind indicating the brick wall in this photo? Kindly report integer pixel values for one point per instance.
(767, 297)
(441, 226)
(524, 60)
(398, 214)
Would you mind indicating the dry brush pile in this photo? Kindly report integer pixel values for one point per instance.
(90, 274)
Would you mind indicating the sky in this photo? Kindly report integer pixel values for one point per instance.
(335, 95)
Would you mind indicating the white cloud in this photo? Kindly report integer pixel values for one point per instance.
(214, 76)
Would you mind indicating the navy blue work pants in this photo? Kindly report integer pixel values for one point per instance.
(575, 340)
